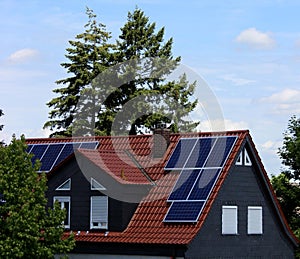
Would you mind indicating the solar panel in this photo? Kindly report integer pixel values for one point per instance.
(184, 211)
(38, 151)
(199, 154)
(66, 151)
(183, 185)
(200, 166)
(52, 154)
(89, 145)
(204, 184)
(220, 152)
(181, 153)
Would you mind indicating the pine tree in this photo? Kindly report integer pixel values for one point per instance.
(125, 86)
(27, 228)
(89, 54)
(148, 60)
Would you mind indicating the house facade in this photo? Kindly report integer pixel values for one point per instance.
(197, 195)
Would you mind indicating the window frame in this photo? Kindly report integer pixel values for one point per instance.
(101, 188)
(229, 223)
(92, 221)
(255, 220)
(62, 200)
(65, 189)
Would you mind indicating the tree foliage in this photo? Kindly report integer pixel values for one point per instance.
(138, 64)
(286, 184)
(27, 228)
(290, 151)
(89, 54)
(1, 114)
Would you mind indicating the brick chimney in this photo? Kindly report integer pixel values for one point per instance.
(161, 140)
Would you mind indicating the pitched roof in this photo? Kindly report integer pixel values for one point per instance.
(146, 225)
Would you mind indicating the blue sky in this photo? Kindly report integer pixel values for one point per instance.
(248, 52)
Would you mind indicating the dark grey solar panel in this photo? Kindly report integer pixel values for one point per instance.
(38, 151)
(186, 211)
(89, 145)
(184, 184)
(200, 153)
(204, 184)
(28, 149)
(220, 152)
(66, 151)
(50, 156)
(180, 153)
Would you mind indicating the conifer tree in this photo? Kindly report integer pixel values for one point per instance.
(27, 228)
(89, 54)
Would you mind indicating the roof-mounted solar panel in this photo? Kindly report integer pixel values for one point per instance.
(202, 163)
(184, 211)
(181, 153)
(51, 154)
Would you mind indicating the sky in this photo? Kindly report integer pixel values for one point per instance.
(247, 52)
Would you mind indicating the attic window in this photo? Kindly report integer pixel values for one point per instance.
(239, 161)
(65, 186)
(96, 186)
(247, 159)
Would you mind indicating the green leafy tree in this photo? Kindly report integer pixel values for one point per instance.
(286, 184)
(27, 228)
(89, 54)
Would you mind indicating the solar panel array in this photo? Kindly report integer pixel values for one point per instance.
(200, 161)
(52, 154)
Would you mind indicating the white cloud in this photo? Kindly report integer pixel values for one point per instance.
(23, 55)
(221, 125)
(287, 101)
(256, 39)
(237, 80)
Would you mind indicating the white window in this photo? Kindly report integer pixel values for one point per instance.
(64, 203)
(65, 186)
(99, 211)
(247, 159)
(96, 186)
(229, 220)
(255, 220)
(239, 161)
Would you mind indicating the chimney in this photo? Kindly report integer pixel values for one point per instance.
(161, 140)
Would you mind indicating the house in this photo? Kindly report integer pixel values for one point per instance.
(196, 195)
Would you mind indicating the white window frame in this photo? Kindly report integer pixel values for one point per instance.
(103, 222)
(229, 220)
(255, 220)
(60, 188)
(100, 188)
(62, 200)
(247, 160)
(239, 161)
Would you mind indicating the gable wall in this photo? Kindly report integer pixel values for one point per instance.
(242, 188)
(119, 213)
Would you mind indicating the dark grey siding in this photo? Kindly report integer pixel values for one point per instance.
(119, 212)
(243, 188)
